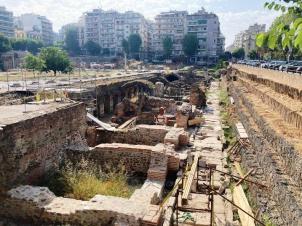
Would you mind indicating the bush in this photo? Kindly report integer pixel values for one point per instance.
(84, 180)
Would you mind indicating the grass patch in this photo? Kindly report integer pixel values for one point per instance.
(84, 180)
(228, 128)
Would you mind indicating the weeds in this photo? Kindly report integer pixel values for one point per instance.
(84, 180)
(229, 130)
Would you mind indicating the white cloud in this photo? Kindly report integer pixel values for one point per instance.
(233, 23)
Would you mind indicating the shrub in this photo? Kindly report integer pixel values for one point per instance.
(84, 180)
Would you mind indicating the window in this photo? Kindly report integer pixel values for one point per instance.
(202, 21)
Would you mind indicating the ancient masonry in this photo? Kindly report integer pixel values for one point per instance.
(269, 107)
(166, 128)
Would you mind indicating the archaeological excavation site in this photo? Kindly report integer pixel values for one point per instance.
(183, 147)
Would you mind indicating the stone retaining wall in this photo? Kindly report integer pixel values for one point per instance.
(279, 200)
(33, 146)
(290, 116)
(278, 87)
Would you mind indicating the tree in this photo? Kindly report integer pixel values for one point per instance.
(190, 44)
(167, 46)
(71, 41)
(253, 55)
(238, 53)
(285, 34)
(227, 56)
(93, 48)
(34, 63)
(30, 45)
(4, 44)
(55, 60)
(135, 43)
(125, 45)
(34, 46)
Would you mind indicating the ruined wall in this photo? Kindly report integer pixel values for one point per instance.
(135, 158)
(31, 147)
(141, 134)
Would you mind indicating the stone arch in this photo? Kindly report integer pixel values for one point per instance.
(138, 84)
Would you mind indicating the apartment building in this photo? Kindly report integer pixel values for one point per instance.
(6, 23)
(109, 28)
(35, 27)
(247, 39)
(171, 24)
(176, 24)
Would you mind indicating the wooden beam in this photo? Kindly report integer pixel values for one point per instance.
(246, 175)
(190, 178)
(241, 201)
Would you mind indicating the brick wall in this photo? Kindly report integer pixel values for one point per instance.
(31, 147)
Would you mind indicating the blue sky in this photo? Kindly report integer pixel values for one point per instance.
(235, 15)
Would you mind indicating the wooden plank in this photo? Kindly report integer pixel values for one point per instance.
(242, 179)
(241, 201)
(128, 123)
(190, 178)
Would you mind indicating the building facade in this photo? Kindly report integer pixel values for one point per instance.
(176, 24)
(35, 27)
(6, 23)
(109, 28)
(247, 39)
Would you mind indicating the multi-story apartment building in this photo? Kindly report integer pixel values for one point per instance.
(176, 24)
(247, 39)
(6, 23)
(36, 27)
(172, 24)
(109, 28)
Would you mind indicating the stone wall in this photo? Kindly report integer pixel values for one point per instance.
(274, 159)
(39, 206)
(278, 87)
(33, 146)
(135, 158)
(289, 115)
(141, 134)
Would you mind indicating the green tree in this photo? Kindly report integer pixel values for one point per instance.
(125, 45)
(253, 55)
(34, 63)
(135, 43)
(5, 44)
(71, 41)
(238, 53)
(19, 44)
(286, 33)
(30, 45)
(55, 60)
(190, 44)
(93, 48)
(167, 46)
(34, 46)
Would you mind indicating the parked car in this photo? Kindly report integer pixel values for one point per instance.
(291, 67)
(275, 65)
